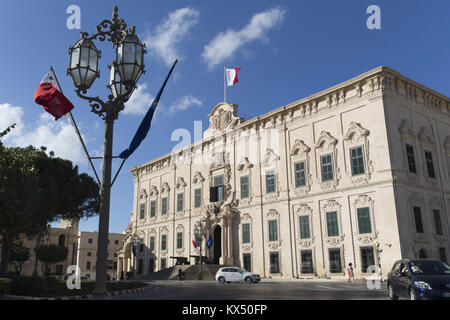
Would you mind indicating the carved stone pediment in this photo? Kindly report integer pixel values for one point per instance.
(165, 188)
(326, 141)
(355, 129)
(425, 137)
(299, 148)
(245, 164)
(143, 194)
(153, 191)
(198, 178)
(270, 157)
(180, 183)
(222, 118)
(406, 129)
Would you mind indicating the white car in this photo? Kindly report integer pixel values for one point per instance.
(233, 274)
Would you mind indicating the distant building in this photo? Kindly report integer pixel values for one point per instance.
(65, 235)
(307, 188)
(87, 253)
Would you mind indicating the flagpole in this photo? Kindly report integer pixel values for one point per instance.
(225, 84)
(76, 129)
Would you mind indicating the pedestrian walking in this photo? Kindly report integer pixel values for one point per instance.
(351, 276)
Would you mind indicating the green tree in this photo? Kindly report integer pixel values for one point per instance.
(51, 254)
(18, 256)
(37, 189)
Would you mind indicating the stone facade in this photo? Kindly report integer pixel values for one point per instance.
(308, 187)
(87, 253)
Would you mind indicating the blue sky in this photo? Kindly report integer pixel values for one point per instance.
(287, 50)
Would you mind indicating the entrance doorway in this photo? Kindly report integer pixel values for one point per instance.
(217, 244)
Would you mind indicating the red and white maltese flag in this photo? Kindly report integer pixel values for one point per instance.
(232, 76)
(49, 95)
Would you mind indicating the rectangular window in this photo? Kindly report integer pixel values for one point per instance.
(364, 223)
(89, 241)
(246, 233)
(430, 165)
(332, 224)
(179, 240)
(273, 232)
(247, 261)
(418, 220)
(270, 181)
(116, 242)
(141, 247)
(304, 227)
(180, 202)
(151, 265)
(140, 266)
(327, 167)
(164, 205)
(437, 221)
(197, 198)
(218, 182)
(163, 263)
(411, 159)
(274, 263)
(142, 216)
(152, 208)
(307, 262)
(367, 258)
(335, 260)
(357, 160)
(152, 243)
(163, 242)
(244, 187)
(442, 255)
(88, 265)
(300, 176)
(89, 254)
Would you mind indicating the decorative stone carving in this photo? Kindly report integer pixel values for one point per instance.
(165, 188)
(245, 164)
(223, 117)
(358, 136)
(198, 178)
(326, 144)
(270, 157)
(180, 183)
(153, 191)
(143, 194)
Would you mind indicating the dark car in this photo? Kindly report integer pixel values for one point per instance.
(418, 279)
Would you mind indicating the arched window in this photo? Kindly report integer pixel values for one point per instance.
(61, 241)
(422, 254)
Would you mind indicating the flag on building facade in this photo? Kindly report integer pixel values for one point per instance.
(232, 76)
(210, 242)
(50, 96)
(195, 245)
(143, 129)
(133, 249)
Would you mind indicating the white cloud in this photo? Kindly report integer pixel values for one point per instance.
(226, 43)
(140, 101)
(58, 136)
(183, 104)
(164, 41)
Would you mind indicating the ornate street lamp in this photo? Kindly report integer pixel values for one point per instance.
(125, 72)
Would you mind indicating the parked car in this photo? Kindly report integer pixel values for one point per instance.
(418, 279)
(234, 274)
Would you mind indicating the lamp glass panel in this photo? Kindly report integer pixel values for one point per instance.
(75, 57)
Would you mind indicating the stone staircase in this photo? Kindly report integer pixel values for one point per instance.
(190, 272)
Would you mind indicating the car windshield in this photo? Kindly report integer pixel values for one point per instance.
(429, 267)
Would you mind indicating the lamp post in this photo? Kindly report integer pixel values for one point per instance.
(200, 234)
(126, 70)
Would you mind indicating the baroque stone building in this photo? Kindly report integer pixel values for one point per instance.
(356, 173)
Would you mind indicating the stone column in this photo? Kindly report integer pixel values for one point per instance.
(119, 268)
(230, 259)
(223, 259)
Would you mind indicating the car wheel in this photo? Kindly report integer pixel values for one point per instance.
(412, 294)
(248, 280)
(391, 292)
(222, 280)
